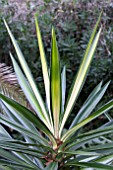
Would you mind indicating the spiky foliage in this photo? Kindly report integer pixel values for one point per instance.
(9, 84)
(46, 143)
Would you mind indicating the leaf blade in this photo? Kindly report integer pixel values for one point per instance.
(29, 115)
(29, 93)
(90, 104)
(102, 110)
(44, 66)
(81, 76)
(55, 84)
(91, 165)
(28, 74)
(51, 166)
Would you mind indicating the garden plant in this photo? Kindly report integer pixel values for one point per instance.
(46, 142)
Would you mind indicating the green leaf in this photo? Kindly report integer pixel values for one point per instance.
(27, 90)
(63, 87)
(16, 143)
(78, 141)
(44, 66)
(55, 84)
(102, 110)
(14, 157)
(81, 152)
(21, 149)
(4, 120)
(28, 74)
(26, 124)
(52, 166)
(105, 159)
(29, 93)
(13, 105)
(11, 164)
(90, 165)
(63, 79)
(102, 147)
(29, 115)
(80, 78)
(10, 156)
(4, 132)
(19, 155)
(90, 103)
(21, 119)
(5, 168)
(108, 117)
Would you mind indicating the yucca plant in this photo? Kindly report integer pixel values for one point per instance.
(46, 143)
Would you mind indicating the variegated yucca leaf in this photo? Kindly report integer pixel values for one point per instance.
(47, 144)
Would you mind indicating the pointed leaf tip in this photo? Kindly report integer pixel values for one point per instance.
(55, 84)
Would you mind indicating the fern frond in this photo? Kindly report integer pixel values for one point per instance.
(9, 85)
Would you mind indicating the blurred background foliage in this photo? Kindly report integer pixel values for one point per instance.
(73, 21)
